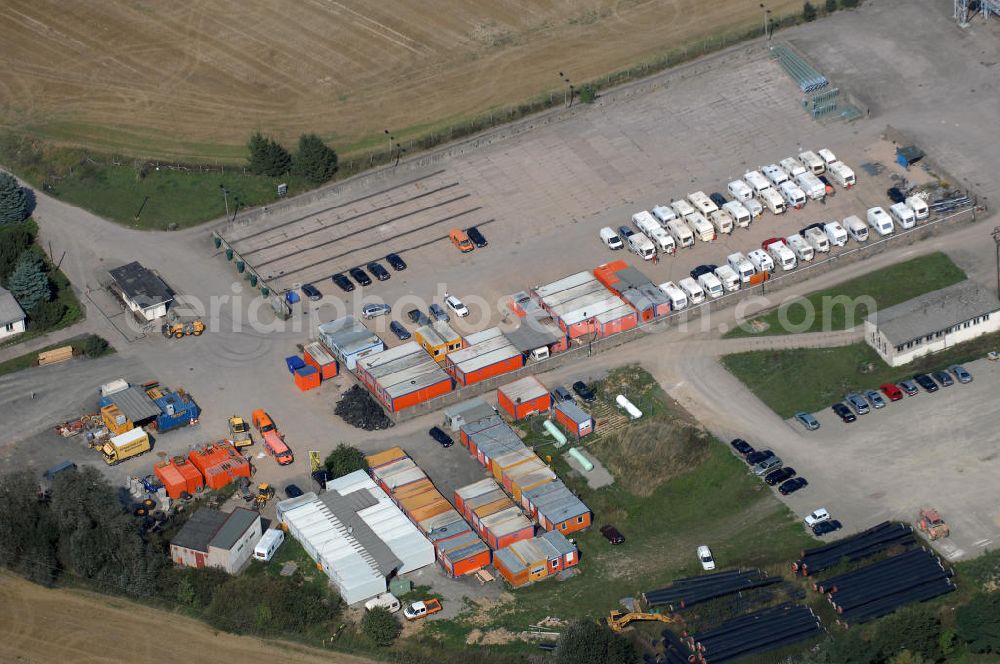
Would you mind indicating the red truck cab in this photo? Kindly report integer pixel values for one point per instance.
(274, 442)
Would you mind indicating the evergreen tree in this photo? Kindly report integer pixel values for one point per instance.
(13, 200)
(315, 160)
(28, 283)
(808, 12)
(267, 157)
(831, 6)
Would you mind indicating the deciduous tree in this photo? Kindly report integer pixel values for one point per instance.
(380, 626)
(586, 642)
(978, 623)
(345, 459)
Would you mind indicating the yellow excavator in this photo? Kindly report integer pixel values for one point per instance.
(179, 329)
(619, 620)
(265, 492)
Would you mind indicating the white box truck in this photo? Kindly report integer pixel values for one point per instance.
(641, 246)
(782, 255)
(721, 220)
(739, 213)
(695, 293)
(680, 232)
(835, 233)
(702, 202)
(803, 250)
(610, 238)
(645, 222)
(879, 220)
(811, 184)
(902, 213)
(754, 207)
(827, 156)
(817, 239)
(678, 300)
(682, 208)
(663, 214)
(812, 161)
(727, 275)
(919, 206)
(856, 227)
(740, 190)
(792, 166)
(711, 284)
(761, 260)
(700, 226)
(773, 200)
(661, 238)
(756, 181)
(841, 174)
(792, 194)
(741, 265)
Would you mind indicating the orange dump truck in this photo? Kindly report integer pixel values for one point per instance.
(274, 442)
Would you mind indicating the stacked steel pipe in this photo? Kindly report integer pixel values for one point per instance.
(804, 75)
(685, 593)
(867, 543)
(762, 631)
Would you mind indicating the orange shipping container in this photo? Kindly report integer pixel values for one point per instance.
(178, 476)
(307, 378)
(430, 510)
(505, 463)
(413, 489)
(387, 456)
(528, 465)
(315, 355)
(529, 481)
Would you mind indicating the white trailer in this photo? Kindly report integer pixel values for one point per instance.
(610, 238)
(711, 284)
(739, 213)
(827, 156)
(645, 222)
(793, 196)
(678, 300)
(842, 174)
(679, 230)
(782, 255)
(902, 213)
(741, 265)
(682, 208)
(722, 221)
(812, 161)
(700, 226)
(835, 233)
(761, 260)
(775, 174)
(919, 206)
(803, 250)
(856, 227)
(817, 239)
(792, 166)
(727, 275)
(702, 202)
(811, 184)
(773, 200)
(663, 214)
(740, 190)
(880, 221)
(663, 241)
(695, 293)
(756, 181)
(641, 246)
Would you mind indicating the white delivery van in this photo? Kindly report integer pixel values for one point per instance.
(682, 208)
(661, 238)
(538, 354)
(645, 222)
(610, 238)
(782, 255)
(702, 202)
(663, 214)
(754, 207)
(680, 232)
(812, 161)
(268, 544)
(700, 226)
(803, 250)
(738, 212)
(792, 166)
(817, 239)
(841, 174)
(856, 228)
(387, 601)
(811, 184)
(919, 206)
(775, 174)
(711, 284)
(641, 246)
(678, 300)
(880, 221)
(757, 182)
(727, 275)
(722, 221)
(835, 233)
(743, 267)
(902, 213)
(740, 190)
(827, 156)
(694, 292)
(793, 196)
(773, 200)
(761, 260)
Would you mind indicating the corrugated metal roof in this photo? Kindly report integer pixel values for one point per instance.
(623, 311)
(573, 412)
(557, 300)
(10, 310)
(347, 336)
(565, 283)
(319, 353)
(438, 333)
(474, 338)
(593, 306)
(631, 277)
(512, 458)
(199, 530)
(559, 542)
(236, 524)
(534, 332)
(483, 354)
(496, 440)
(142, 286)
(933, 312)
(488, 422)
(506, 521)
(483, 499)
(469, 411)
(524, 389)
(135, 404)
(477, 488)
(559, 505)
(403, 369)
(460, 542)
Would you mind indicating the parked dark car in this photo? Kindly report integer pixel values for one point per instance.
(817, 225)
(718, 198)
(792, 485)
(741, 446)
(360, 276)
(844, 413)
(756, 457)
(378, 271)
(830, 191)
(321, 477)
(583, 391)
(418, 317)
(399, 330)
(438, 312)
(395, 262)
(779, 476)
(944, 378)
(311, 292)
(560, 393)
(342, 281)
(825, 527)
(895, 195)
(926, 382)
(702, 269)
(625, 233)
(441, 437)
(612, 534)
(476, 237)
(292, 491)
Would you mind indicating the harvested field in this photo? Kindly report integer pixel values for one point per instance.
(191, 81)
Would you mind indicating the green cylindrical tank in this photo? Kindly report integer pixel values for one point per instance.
(265, 291)
(217, 241)
(229, 254)
(253, 280)
(584, 461)
(554, 431)
(240, 266)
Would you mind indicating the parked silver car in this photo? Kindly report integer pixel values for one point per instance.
(857, 402)
(875, 398)
(766, 466)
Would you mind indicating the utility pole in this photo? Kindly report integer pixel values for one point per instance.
(996, 240)
(389, 139)
(225, 197)
(767, 12)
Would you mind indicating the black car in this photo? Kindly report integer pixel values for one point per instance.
(625, 233)
(926, 382)
(360, 276)
(756, 457)
(399, 330)
(395, 262)
(311, 292)
(476, 237)
(792, 485)
(818, 225)
(844, 413)
(943, 378)
(321, 477)
(718, 198)
(741, 446)
(779, 476)
(702, 269)
(583, 391)
(418, 317)
(826, 183)
(561, 394)
(342, 281)
(440, 436)
(293, 491)
(612, 534)
(378, 271)
(895, 195)
(825, 527)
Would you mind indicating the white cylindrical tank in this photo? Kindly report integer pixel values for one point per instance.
(628, 407)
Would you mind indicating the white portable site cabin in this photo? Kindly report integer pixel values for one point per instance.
(711, 284)
(702, 202)
(727, 275)
(641, 246)
(694, 292)
(792, 166)
(773, 200)
(761, 260)
(741, 265)
(682, 208)
(835, 233)
(679, 230)
(700, 226)
(919, 206)
(879, 220)
(803, 250)
(740, 190)
(738, 212)
(756, 181)
(678, 300)
(610, 238)
(856, 227)
(902, 213)
(793, 196)
(776, 174)
(812, 161)
(811, 184)
(782, 255)
(663, 214)
(817, 239)
(721, 220)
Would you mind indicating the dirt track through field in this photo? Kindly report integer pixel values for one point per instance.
(192, 80)
(41, 626)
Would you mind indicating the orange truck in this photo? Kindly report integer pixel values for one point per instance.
(274, 442)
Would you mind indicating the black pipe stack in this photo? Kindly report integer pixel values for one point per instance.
(867, 543)
(762, 631)
(685, 593)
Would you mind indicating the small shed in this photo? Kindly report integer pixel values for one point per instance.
(908, 155)
(11, 315)
(142, 290)
(525, 396)
(211, 538)
(574, 419)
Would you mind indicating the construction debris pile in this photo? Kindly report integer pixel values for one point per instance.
(762, 631)
(360, 410)
(866, 543)
(685, 593)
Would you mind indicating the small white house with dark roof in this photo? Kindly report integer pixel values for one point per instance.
(142, 290)
(11, 315)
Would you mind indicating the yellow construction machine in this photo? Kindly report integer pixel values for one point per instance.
(619, 620)
(179, 329)
(265, 492)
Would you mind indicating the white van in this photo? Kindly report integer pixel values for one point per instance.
(641, 246)
(817, 239)
(782, 255)
(268, 544)
(754, 207)
(811, 184)
(880, 221)
(678, 300)
(793, 196)
(792, 166)
(773, 200)
(722, 221)
(902, 213)
(835, 233)
(741, 265)
(856, 228)
(841, 174)
(738, 213)
(803, 250)
(610, 238)
(812, 161)
(387, 601)
(757, 182)
(827, 156)
(700, 226)
(919, 206)
(663, 214)
(692, 289)
(661, 238)
(702, 202)
(727, 275)
(680, 232)
(740, 191)
(538, 354)
(645, 222)
(761, 260)
(711, 284)
(682, 208)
